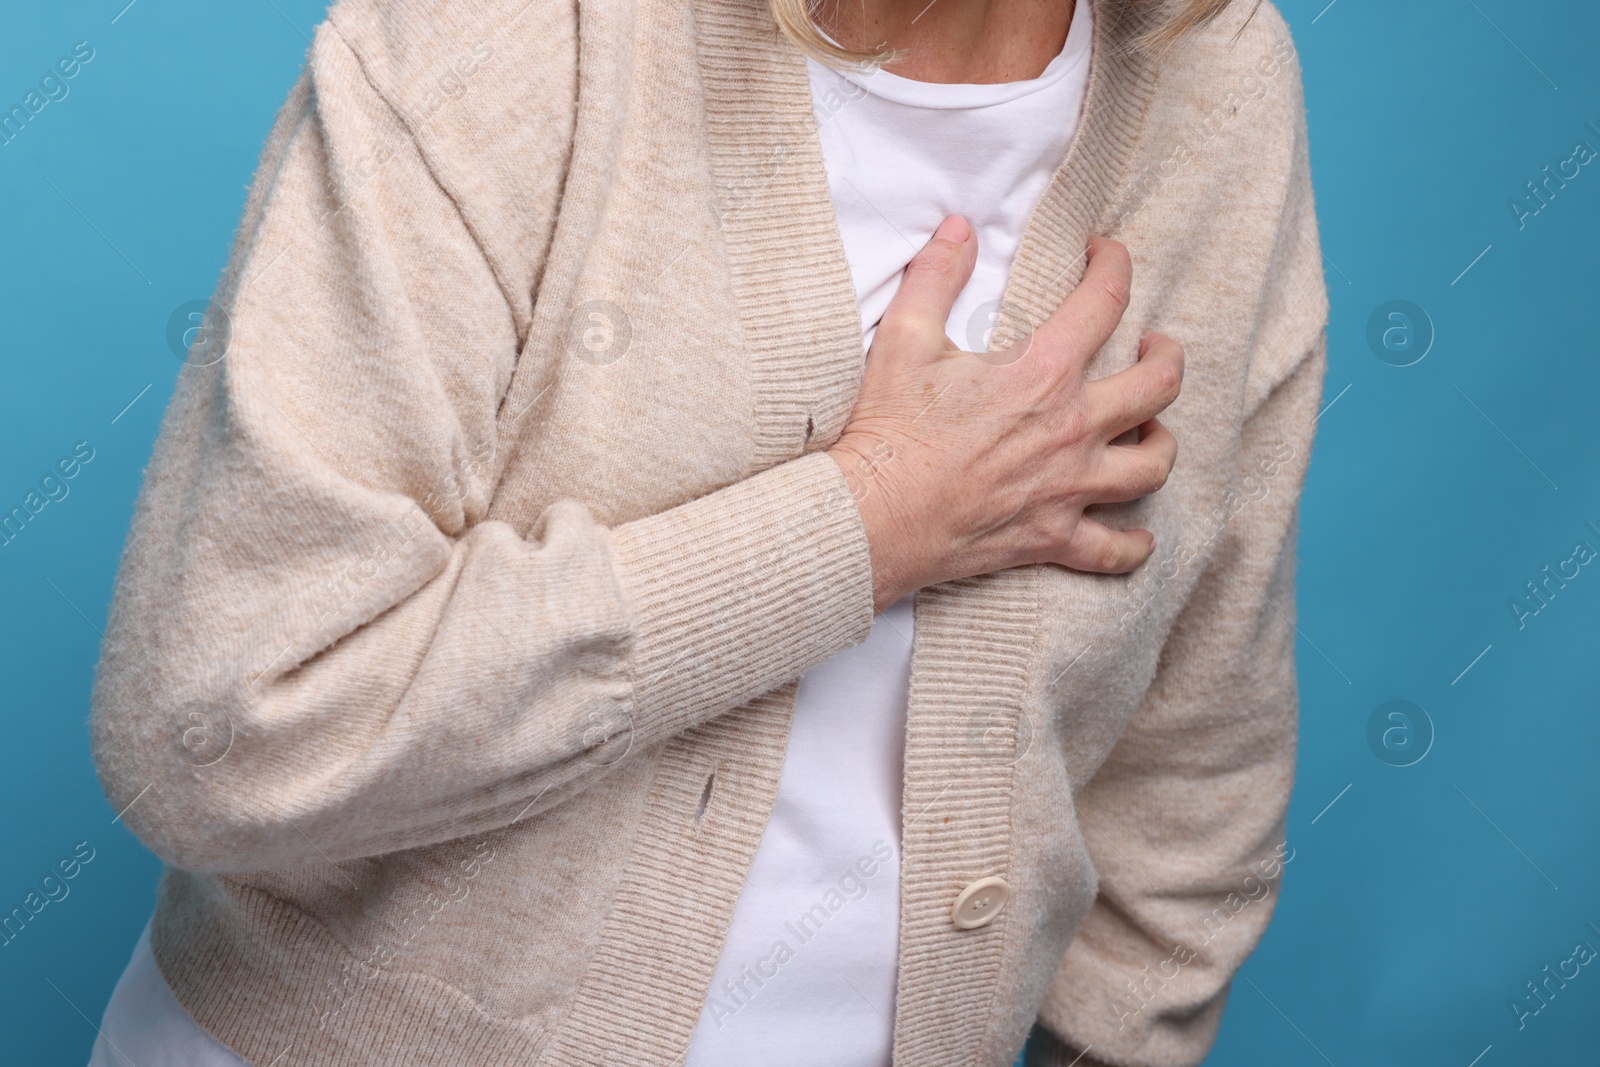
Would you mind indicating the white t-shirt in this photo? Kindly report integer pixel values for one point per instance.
(807, 974)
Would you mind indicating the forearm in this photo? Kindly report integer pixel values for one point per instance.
(462, 682)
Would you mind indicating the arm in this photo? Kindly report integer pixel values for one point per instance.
(320, 646)
(1185, 821)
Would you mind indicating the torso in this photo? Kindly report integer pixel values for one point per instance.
(744, 356)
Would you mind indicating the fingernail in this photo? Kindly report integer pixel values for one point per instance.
(954, 228)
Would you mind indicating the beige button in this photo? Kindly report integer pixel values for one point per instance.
(980, 902)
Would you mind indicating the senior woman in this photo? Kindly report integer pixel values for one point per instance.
(543, 638)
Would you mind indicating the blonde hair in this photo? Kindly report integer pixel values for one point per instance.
(1171, 20)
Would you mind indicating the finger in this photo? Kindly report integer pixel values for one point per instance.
(932, 281)
(1128, 472)
(1134, 396)
(1085, 320)
(1097, 548)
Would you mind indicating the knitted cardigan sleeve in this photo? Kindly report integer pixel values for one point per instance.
(1186, 819)
(320, 647)
(1189, 839)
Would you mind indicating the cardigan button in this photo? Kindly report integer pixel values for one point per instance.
(980, 902)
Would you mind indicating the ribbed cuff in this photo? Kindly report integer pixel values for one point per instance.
(743, 590)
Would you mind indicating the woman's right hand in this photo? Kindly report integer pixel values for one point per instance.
(965, 466)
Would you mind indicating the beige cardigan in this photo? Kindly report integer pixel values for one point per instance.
(452, 653)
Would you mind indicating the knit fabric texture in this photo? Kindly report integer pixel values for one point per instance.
(453, 648)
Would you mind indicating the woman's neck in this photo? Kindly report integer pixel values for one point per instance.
(982, 41)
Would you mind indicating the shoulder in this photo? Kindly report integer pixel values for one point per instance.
(486, 93)
(1223, 130)
(1236, 77)
(422, 54)
(1221, 173)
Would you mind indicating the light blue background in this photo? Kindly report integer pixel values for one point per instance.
(1417, 905)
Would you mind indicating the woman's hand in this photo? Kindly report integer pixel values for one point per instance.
(977, 465)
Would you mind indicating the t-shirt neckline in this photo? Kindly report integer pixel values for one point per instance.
(952, 95)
